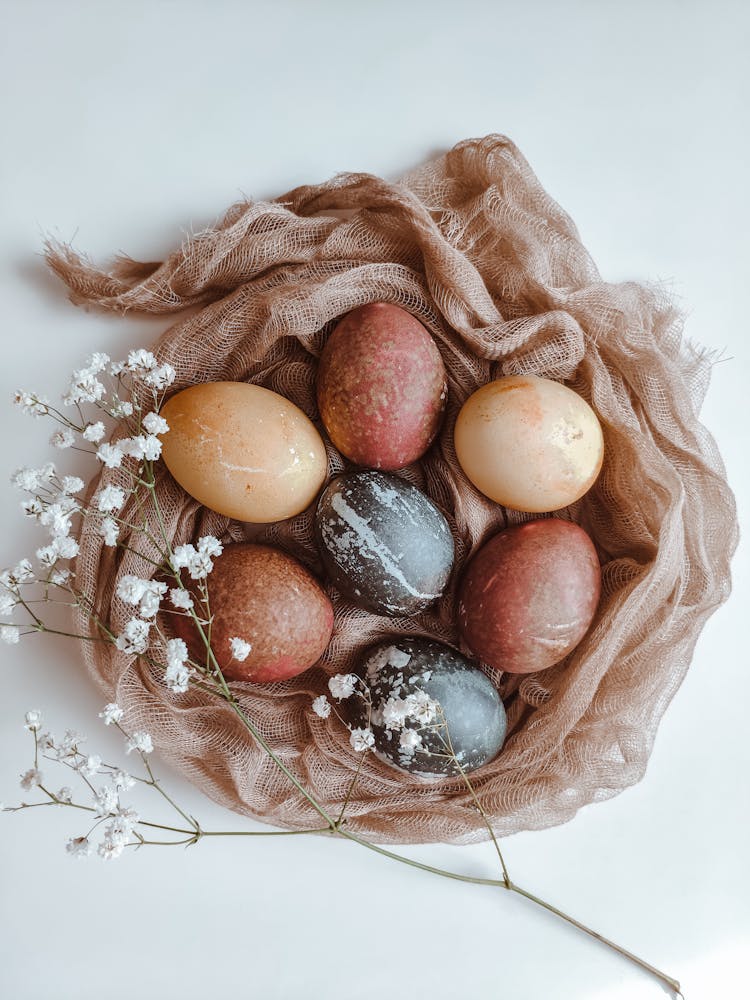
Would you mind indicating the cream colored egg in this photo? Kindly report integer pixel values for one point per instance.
(243, 451)
(529, 443)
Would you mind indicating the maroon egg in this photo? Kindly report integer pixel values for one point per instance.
(529, 595)
(270, 600)
(381, 387)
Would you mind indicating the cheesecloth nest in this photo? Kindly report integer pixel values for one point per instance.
(474, 247)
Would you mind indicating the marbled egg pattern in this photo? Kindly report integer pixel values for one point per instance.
(384, 544)
(404, 670)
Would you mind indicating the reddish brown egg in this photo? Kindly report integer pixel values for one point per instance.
(381, 387)
(529, 595)
(268, 599)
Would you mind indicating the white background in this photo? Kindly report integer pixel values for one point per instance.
(125, 125)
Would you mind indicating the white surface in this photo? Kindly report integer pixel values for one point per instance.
(122, 125)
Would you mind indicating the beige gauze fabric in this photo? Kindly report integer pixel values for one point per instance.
(473, 246)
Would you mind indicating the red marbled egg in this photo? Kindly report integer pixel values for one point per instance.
(381, 387)
(270, 600)
(529, 595)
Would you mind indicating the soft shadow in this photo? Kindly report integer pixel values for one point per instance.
(34, 271)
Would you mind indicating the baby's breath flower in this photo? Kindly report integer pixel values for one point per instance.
(60, 577)
(32, 508)
(110, 454)
(240, 648)
(109, 531)
(321, 706)
(78, 847)
(178, 673)
(67, 548)
(155, 424)
(33, 720)
(84, 388)
(210, 546)
(31, 779)
(72, 484)
(8, 602)
(10, 634)
(111, 713)
(110, 498)
(131, 589)
(97, 362)
(361, 739)
(109, 849)
(161, 377)
(65, 794)
(30, 404)
(89, 766)
(142, 446)
(106, 801)
(422, 707)
(134, 639)
(64, 438)
(197, 561)
(410, 741)
(25, 479)
(94, 432)
(181, 598)
(121, 827)
(342, 685)
(140, 361)
(147, 594)
(122, 780)
(122, 408)
(394, 712)
(69, 744)
(22, 572)
(140, 741)
(56, 517)
(46, 741)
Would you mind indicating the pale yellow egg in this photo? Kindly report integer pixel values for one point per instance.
(529, 443)
(243, 450)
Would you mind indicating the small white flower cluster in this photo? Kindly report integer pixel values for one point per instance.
(51, 501)
(28, 403)
(147, 594)
(196, 559)
(343, 686)
(105, 800)
(178, 671)
(404, 716)
(240, 648)
(53, 506)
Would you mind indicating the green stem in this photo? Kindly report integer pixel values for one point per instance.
(671, 983)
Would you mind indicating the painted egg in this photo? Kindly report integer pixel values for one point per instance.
(433, 713)
(529, 595)
(384, 544)
(243, 450)
(529, 443)
(381, 387)
(269, 600)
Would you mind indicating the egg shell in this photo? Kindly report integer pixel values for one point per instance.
(471, 706)
(383, 543)
(381, 387)
(264, 596)
(529, 595)
(529, 443)
(243, 450)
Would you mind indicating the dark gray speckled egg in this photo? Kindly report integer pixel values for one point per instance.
(384, 544)
(428, 703)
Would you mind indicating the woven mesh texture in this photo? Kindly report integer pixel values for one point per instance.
(474, 247)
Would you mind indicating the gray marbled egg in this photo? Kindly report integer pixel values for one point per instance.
(429, 703)
(384, 544)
